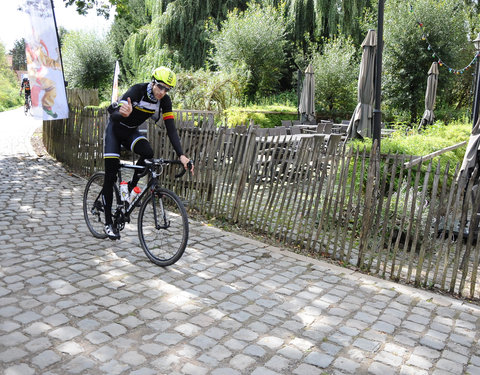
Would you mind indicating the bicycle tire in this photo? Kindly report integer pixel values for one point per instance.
(163, 246)
(93, 211)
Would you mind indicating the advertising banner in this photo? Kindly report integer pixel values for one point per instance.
(44, 64)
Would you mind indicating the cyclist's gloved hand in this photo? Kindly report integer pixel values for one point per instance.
(126, 107)
(187, 163)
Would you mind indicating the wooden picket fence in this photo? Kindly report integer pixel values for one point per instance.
(409, 222)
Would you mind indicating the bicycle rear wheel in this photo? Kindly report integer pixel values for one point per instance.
(93, 210)
(163, 227)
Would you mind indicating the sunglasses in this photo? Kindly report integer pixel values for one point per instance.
(162, 87)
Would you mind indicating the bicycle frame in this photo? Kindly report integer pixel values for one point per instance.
(151, 184)
(125, 209)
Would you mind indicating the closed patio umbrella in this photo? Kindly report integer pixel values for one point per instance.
(470, 159)
(430, 95)
(361, 123)
(306, 107)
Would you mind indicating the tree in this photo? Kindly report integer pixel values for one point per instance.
(88, 62)
(178, 27)
(9, 86)
(123, 26)
(410, 49)
(253, 40)
(62, 33)
(19, 60)
(336, 76)
(102, 7)
(316, 20)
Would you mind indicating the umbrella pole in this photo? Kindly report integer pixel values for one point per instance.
(377, 113)
(475, 97)
(299, 88)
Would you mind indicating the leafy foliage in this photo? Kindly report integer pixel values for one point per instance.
(180, 24)
(206, 90)
(313, 20)
(102, 6)
(148, 33)
(253, 41)
(19, 60)
(436, 137)
(336, 73)
(125, 26)
(407, 58)
(9, 86)
(88, 62)
(260, 115)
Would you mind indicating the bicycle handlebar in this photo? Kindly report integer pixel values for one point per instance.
(150, 162)
(189, 165)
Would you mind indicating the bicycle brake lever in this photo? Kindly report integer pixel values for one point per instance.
(189, 165)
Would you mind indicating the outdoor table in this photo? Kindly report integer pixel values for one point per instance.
(291, 141)
(340, 128)
(285, 138)
(307, 126)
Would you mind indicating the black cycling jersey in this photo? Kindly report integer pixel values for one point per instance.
(144, 108)
(26, 85)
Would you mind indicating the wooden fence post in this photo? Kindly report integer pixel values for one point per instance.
(369, 207)
(244, 169)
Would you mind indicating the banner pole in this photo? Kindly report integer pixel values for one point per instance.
(59, 49)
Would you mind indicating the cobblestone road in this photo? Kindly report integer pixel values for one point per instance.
(73, 304)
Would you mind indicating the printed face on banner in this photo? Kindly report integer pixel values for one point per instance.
(49, 100)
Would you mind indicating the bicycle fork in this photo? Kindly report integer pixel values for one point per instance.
(163, 214)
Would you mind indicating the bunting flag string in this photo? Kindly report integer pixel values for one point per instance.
(437, 56)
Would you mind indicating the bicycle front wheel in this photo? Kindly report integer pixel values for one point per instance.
(163, 227)
(93, 210)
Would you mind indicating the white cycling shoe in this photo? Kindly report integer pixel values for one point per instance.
(111, 232)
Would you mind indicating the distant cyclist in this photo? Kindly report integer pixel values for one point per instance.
(138, 104)
(25, 86)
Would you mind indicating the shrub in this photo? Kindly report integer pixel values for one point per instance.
(259, 115)
(9, 86)
(436, 137)
(206, 90)
(88, 62)
(254, 41)
(336, 76)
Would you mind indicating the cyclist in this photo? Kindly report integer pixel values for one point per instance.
(25, 86)
(141, 102)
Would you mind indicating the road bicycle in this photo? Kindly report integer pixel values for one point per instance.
(162, 219)
(27, 106)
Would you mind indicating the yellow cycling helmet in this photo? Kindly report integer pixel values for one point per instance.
(165, 75)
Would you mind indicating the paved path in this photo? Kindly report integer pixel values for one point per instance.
(72, 304)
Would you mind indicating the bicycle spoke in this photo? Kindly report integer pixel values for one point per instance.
(163, 227)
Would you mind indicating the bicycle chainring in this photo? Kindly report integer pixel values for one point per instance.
(119, 220)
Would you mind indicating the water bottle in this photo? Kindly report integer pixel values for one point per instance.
(133, 195)
(124, 191)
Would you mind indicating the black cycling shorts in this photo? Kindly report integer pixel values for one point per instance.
(117, 135)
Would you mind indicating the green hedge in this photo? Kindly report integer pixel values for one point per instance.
(265, 116)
